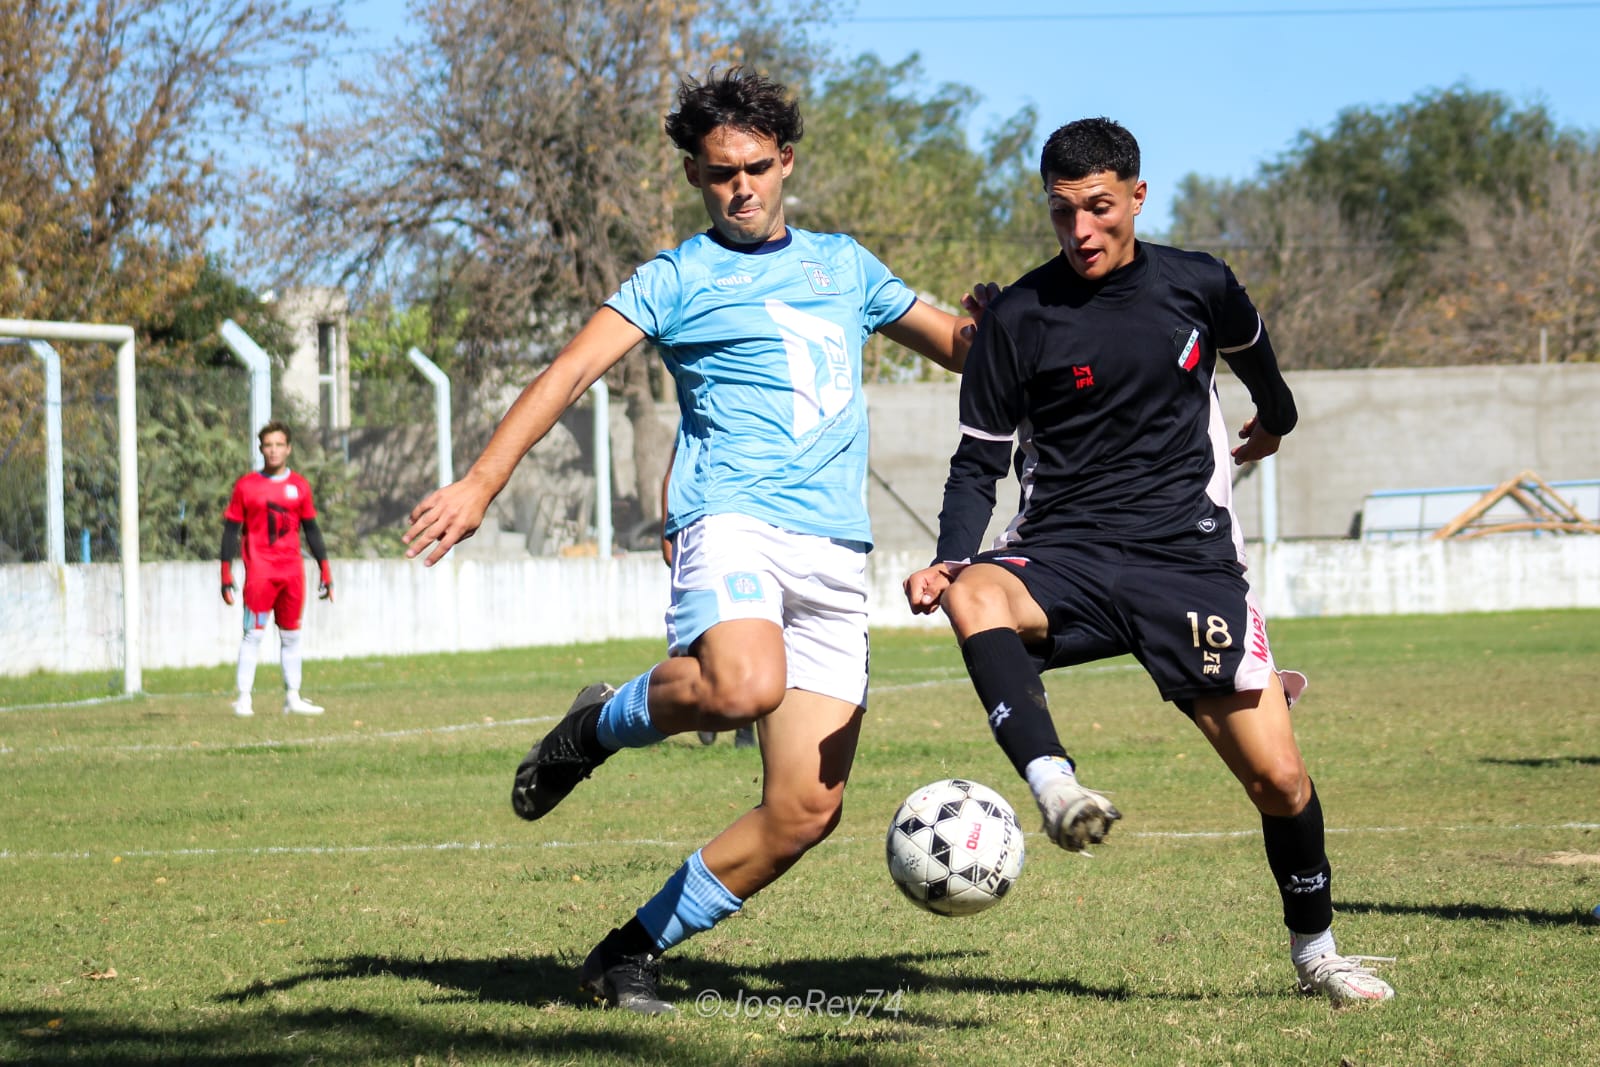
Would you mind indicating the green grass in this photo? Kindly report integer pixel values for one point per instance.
(354, 889)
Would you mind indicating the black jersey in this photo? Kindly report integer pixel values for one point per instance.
(1107, 389)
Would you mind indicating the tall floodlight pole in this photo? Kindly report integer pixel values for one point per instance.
(602, 466)
(441, 412)
(249, 353)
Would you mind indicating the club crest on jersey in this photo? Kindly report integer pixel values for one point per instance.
(820, 277)
(1187, 344)
(1082, 377)
(291, 491)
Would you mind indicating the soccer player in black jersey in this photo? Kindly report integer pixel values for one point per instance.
(1096, 369)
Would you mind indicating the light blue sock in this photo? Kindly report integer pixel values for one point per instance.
(692, 900)
(625, 720)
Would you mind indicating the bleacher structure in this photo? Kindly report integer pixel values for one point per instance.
(1524, 504)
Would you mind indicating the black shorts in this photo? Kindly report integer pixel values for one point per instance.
(1183, 609)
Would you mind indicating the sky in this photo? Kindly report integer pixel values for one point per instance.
(1214, 87)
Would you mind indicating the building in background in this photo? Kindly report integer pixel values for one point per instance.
(317, 367)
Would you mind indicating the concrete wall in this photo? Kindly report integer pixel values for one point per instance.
(1360, 431)
(67, 618)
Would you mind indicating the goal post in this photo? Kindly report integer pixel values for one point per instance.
(127, 467)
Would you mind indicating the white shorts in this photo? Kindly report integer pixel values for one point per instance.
(727, 567)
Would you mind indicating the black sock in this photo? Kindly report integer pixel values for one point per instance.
(1299, 862)
(631, 939)
(589, 735)
(1013, 696)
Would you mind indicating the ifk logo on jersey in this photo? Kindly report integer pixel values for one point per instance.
(743, 586)
(820, 278)
(1187, 345)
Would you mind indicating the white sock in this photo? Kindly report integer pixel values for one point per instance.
(1046, 769)
(249, 653)
(289, 646)
(1303, 948)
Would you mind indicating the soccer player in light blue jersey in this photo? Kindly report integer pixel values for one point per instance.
(761, 325)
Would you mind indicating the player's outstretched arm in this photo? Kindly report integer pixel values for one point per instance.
(450, 515)
(938, 335)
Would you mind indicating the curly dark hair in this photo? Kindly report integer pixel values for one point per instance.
(275, 426)
(1087, 147)
(740, 99)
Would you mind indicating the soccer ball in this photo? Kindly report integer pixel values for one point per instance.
(955, 847)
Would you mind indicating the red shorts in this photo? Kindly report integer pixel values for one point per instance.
(280, 593)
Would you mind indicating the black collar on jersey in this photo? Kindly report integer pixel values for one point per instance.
(1121, 284)
(762, 249)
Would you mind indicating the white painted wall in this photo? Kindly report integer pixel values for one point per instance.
(68, 618)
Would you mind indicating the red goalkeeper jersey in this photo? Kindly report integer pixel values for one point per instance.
(271, 510)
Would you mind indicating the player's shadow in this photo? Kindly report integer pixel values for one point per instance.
(542, 980)
(1471, 912)
(1544, 761)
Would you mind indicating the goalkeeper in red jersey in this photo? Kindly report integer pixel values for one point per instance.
(266, 514)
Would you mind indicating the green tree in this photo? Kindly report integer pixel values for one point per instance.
(890, 164)
(1398, 167)
(1448, 229)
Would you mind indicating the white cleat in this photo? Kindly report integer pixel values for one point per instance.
(295, 704)
(242, 708)
(1075, 817)
(1343, 979)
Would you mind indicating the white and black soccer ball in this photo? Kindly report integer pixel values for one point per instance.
(955, 847)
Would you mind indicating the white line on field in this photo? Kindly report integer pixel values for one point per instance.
(121, 698)
(502, 846)
(420, 731)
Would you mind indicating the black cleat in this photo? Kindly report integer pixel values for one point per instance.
(553, 767)
(707, 737)
(629, 982)
(744, 737)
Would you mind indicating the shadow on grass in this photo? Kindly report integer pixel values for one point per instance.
(323, 1036)
(1478, 912)
(1544, 761)
(539, 981)
(449, 1019)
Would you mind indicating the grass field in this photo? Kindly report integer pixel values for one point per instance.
(182, 886)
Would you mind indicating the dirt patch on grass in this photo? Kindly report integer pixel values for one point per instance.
(1573, 859)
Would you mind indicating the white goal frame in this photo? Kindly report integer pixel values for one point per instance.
(127, 469)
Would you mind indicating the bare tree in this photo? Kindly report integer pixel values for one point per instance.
(516, 163)
(111, 178)
(1324, 283)
(1523, 266)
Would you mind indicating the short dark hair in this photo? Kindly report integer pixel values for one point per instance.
(741, 99)
(276, 426)
(1087, 147)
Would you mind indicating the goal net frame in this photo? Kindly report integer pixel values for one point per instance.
(127, 468)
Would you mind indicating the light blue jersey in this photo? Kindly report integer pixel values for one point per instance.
(765, 347)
